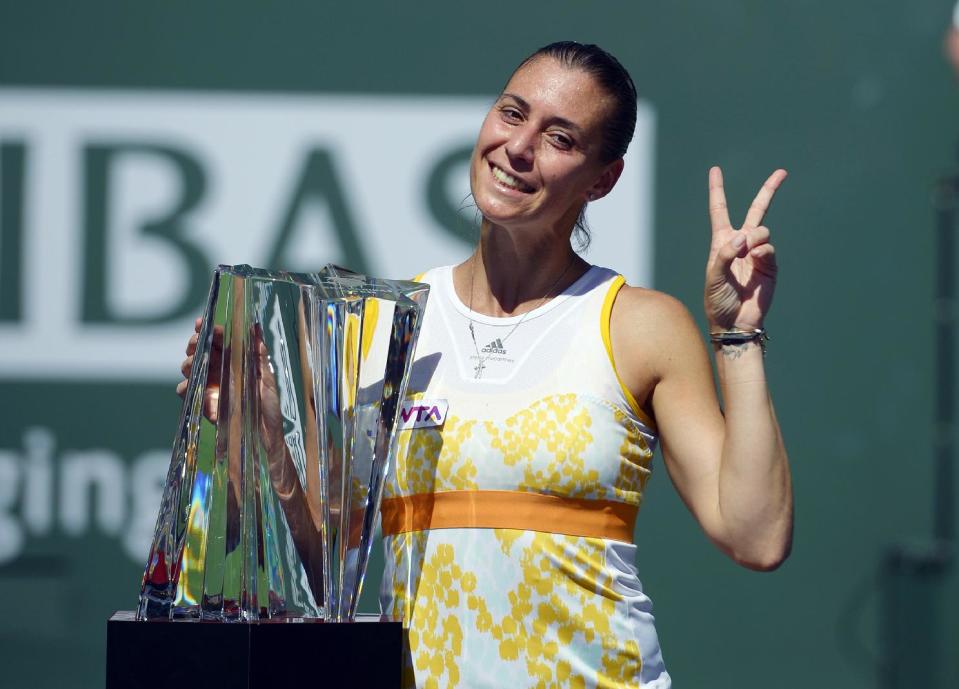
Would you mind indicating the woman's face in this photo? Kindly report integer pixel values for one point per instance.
(537, 157)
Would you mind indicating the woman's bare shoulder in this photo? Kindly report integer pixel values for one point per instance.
(640, 305)
(656, 324)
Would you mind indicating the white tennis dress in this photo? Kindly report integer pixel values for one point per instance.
(508, 515)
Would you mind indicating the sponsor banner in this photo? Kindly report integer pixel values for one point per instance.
(116, 205)
(82, 466)
(48, 490)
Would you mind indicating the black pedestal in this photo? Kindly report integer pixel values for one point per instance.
(366, 654)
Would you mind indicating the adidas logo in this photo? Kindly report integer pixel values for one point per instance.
(494, 347)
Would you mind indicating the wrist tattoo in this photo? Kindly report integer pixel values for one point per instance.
(730, 341)
(734, 350)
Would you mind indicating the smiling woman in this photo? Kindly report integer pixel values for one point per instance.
(569, 141)
(508, 524)
(508, 515)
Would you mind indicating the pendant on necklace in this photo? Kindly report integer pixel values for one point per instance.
(479, 370)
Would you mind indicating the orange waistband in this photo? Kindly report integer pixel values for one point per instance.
(509, 509)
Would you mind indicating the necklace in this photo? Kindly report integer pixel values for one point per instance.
(481, 363)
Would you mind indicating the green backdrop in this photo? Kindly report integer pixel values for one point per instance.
(853, 98)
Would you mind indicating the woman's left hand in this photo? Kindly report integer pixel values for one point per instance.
(741, 270)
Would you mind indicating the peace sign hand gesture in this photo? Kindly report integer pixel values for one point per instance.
(741, 270)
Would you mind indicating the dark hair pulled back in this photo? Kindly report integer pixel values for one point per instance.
(610, 74)
(612, 77)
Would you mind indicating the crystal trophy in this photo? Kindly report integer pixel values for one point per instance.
(287, 431)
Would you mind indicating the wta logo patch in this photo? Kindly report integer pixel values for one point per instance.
(423, 413)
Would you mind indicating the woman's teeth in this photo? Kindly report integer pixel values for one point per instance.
(510, 181)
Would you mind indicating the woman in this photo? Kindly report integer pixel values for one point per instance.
(507, 527)
(508, 520)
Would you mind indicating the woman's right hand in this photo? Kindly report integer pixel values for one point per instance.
(301, 510)
(211, 395)
(271, 420)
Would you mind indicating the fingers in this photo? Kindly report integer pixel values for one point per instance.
(718, 211)
(761, 253)
(753, 242)
(264, 367)
(759, 206)
(737, 247)
(764, 260)
(191, 344)
(756, 236)
(718, 270)
(211, 395)
(211, 403)
(211, 398)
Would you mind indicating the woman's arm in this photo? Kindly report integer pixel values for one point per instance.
(300, 507)
(730, 469)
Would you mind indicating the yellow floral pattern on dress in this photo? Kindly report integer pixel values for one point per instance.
(555, 429)
(436, 640)
(564, 597)
(511, 601)
(636, 460)
(406, 564)
(566, 574)
(429, 460)
(549, 444)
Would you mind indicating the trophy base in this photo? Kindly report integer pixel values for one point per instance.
(367, 654)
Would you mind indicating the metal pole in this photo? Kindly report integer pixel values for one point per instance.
(913, 575)
(944, 515)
